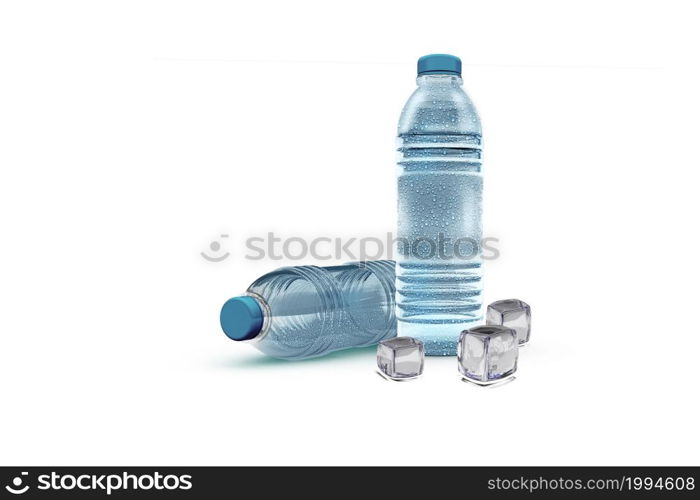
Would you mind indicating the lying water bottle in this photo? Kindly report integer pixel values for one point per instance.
(308, 311)
(438, 273)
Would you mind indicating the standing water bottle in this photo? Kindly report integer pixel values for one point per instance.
(438, 269)
(307, 311)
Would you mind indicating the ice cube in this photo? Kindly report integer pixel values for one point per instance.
(400, 358)
(488, 354)
(512, 313)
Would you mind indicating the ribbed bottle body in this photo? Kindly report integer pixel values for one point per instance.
(438, 273)
(311, 311)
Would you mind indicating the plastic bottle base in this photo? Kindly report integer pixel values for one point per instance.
(438, 339)
(440, 347)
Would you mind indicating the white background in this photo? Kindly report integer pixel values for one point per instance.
(132, 134)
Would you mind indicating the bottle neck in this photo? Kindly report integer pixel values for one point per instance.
(243, 318)
(439, 79)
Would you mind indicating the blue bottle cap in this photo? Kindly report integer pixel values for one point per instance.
(241, 318)
(439, 64)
